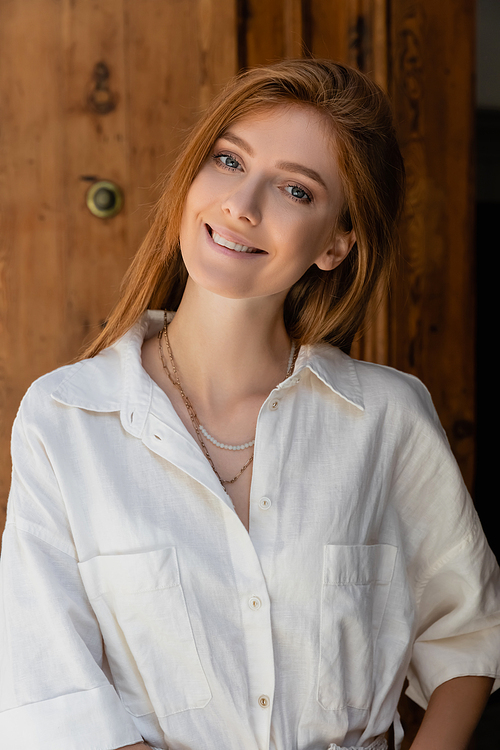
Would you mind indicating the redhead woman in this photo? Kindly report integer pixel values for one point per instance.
(224, 533)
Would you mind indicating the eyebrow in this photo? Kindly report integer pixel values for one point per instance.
(288, 166)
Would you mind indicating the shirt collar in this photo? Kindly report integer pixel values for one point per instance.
(334, 368)
(116, 381)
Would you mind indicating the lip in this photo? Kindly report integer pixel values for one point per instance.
(231, 237)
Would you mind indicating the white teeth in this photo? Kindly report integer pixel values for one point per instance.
(231, 245)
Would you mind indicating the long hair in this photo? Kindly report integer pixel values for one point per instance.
(323, 305)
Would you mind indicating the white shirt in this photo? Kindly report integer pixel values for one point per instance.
(136, 605)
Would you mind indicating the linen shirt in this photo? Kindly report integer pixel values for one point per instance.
(136, 605)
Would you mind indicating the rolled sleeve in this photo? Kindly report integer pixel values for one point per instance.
(454, 576)
(458, 619)
(80, 721)
(55, 689)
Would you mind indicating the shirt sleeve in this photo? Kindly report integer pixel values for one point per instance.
(55, 685)
(458, 620)
(456, 578)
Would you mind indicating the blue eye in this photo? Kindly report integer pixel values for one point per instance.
(227, 161)
(298, 193)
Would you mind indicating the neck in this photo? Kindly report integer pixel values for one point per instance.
(228, 351)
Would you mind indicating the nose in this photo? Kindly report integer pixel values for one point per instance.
(244, 202)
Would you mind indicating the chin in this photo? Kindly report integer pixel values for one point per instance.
(217, 283)
(229, 292)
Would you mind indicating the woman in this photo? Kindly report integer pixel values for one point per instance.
(222, 531)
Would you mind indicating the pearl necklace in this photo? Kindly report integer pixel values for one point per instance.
(225, 445)
(194, 418)
(251, 442)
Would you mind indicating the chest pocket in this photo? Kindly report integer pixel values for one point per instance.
(139, 603)
(356, 583)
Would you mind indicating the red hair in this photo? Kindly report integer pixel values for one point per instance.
(323, 305)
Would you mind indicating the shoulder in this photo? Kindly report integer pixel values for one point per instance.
(385, 387)
(46, 384)
(373, 388)
(38, 397)
(407, 420)
(92, 384)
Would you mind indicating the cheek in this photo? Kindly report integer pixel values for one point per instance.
(193, 205)
(305, 240)
(204, 185)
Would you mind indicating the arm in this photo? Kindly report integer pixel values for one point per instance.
(454, 709)
(52, 675)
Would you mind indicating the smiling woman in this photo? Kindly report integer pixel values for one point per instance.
(223, 532)
(248, 205)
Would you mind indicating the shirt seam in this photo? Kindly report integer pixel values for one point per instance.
(20, 527)
(28, 523)
(467, 670)
(55, 697)
(422, 581)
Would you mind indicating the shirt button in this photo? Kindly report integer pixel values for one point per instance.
(254, 602)
(274, 405)
(264, 503)
(264, 701)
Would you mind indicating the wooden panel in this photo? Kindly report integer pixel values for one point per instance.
(95, 147)
(432, 304)
(32, 200)
(433, 307)
(262, 32)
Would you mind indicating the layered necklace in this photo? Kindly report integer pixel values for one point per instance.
(199, 429)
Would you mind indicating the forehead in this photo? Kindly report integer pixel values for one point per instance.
(288, 124)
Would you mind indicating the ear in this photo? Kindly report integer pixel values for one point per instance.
(335, 253)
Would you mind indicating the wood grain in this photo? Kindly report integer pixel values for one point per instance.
(433, 306)
(32, 203)
(95, 145)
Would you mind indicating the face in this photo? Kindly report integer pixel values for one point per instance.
(263, 207)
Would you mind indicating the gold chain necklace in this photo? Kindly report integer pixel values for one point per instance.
(189, 406)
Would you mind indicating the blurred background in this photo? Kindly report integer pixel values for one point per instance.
(95, 98)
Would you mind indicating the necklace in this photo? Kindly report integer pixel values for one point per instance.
(194, 418)
(250, 443)
(225, 445)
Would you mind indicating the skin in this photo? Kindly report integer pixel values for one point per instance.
(228, 337)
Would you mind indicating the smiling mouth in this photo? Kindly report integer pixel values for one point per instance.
(231, 245)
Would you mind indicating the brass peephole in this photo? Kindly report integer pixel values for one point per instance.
(104, 199)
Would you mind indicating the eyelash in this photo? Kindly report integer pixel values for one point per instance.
(217, 160)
